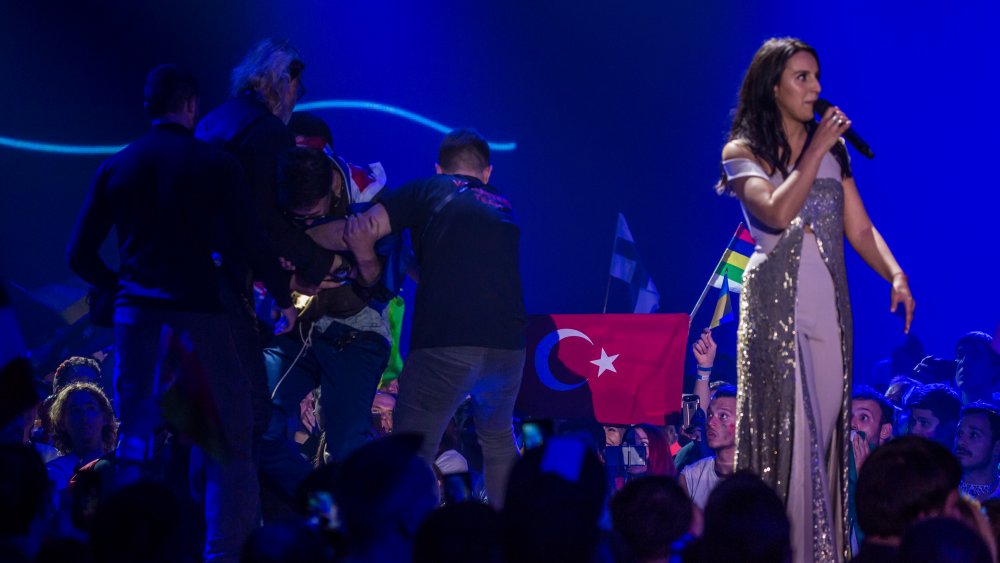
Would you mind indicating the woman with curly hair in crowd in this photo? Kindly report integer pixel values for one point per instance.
(84, 429)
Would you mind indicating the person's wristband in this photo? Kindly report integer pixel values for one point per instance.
(704, 373)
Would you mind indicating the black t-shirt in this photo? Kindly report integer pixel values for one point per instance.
(470, 283)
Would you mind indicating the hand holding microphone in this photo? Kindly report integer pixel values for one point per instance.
(839, 121)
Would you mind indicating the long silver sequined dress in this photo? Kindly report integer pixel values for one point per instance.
(783, 386)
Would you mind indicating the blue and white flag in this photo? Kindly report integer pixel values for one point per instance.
(626, 267)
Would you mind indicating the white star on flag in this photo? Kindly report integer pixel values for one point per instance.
(605, 363)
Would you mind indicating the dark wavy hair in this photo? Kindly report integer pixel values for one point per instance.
(757, 120)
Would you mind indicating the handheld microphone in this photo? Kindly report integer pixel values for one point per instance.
(821, 105)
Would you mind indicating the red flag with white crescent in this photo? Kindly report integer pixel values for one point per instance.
(616, 369)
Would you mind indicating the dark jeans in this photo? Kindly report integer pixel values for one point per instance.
(434, 383)
(346, 364)
(217, 393)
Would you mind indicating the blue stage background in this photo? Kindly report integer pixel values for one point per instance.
(615, 107)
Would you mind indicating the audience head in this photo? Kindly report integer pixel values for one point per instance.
(169, 91)
(613, 434)
(905, 479)
(462, 532)
(745, 521)
(933, 369)
(76, 368)
(720, 429)
(82, 420)
(651, 513)
(304, 180)
(383, 406)
(18, 398)
(290, 541)
(943, 540)
(977, 440)
(272, 70)
(907, 355)
(384, 490)
(872, 414)
(310, 131)
(933, 413)
(555, 497)
(141, 522)
(900, 389)
(977, 369)
(465, 151)
(992, 508)
(24, 486)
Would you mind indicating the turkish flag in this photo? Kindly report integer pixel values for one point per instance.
(616, 369)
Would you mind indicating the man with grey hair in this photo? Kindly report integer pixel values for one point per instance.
(252, 125)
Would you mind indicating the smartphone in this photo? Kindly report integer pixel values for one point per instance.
(323, 512)
(633, 456)
(532, 435)
(456, 487)
(689, 406)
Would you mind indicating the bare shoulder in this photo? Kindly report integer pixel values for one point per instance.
(738, 148)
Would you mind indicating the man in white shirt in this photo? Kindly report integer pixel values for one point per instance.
(699, 478)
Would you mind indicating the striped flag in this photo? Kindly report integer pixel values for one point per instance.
(724, 306)
(626, 266)
(734, 260)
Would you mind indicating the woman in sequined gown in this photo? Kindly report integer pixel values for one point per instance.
(793, 179)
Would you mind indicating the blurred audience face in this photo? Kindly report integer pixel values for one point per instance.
(639, 438)
(923, 423)
(974, 445)
(671, 433)
(866, 416)
(382, 407)
(613, 435)
(932, 369)
(721, 425)
(974, 368)
(898, 390)
(84, 421)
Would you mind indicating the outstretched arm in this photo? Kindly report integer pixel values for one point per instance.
(704, 352)
(331, 235)
(872, 248)
(360, 234)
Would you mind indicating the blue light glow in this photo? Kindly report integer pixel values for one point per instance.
(392, 110)
(37, 146)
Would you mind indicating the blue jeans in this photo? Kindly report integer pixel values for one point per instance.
(346, 364)
(434, 383)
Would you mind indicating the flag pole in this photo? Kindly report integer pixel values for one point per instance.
(607, 290)
(704, 292)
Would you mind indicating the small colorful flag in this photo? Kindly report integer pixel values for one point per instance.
(734, 260)
(724, 306)
(626, 267)
(730, 269)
